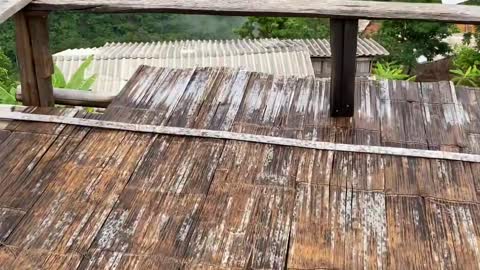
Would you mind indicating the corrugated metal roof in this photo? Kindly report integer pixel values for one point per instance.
(321, 47)
(115, 63)
(209, 48)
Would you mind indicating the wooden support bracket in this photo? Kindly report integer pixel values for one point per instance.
(34, 59)
(343, 40)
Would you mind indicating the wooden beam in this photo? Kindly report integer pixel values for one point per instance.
(293, 8)
(77, 98)
(343, 40)
(226, 135)
(9, 7)
(25, 61)
(34, 59)
(38, 25)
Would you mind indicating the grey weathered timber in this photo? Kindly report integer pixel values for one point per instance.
(77, 97)
(34, 59)
(9, 7)
(38, 27)
(74, 197)
(343, 35)
(308, 8)
(25, 61)
(226, 135)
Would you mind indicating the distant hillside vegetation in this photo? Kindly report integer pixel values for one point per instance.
(76, 30)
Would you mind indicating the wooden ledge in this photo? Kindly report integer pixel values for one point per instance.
(294, 8)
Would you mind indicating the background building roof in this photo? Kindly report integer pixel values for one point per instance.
(115, 63)
(213, 48)
(367, 47)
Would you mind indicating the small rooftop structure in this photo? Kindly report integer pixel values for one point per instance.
(115, 63)
(178, 173)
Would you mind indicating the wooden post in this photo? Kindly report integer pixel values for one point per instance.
(343, 40)
(34, 59)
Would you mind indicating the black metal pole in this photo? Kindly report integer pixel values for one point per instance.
(343, 40)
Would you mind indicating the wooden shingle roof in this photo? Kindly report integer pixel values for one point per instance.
(76, 197)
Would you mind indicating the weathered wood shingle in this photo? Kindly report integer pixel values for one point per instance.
(76, 197)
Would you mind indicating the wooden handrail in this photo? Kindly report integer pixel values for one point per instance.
(294, 8)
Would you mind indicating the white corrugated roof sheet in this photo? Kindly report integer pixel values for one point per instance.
(115, 63)
(366, 47)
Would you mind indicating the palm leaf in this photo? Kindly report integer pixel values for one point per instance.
(87, 84)
(457, 72)
(412, 79)
(6, 96)
(58, 79)
(473, 83)
(467, 73)
(78, 77)
(390, 71)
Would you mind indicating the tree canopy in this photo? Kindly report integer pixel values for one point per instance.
(283, 27)
(8, 82)
(408, 40)
(80, 30)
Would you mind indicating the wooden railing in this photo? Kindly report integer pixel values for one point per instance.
(36, 64)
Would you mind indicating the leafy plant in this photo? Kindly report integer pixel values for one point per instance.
(469, 77)
(7, 96)
(408, 40)
(78, 80)
(466, 57)
(8, 84)
(391, 71)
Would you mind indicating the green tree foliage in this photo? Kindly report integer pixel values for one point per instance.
(408, 40)
(466, 61)
(466, 57)
(77, 30)
(8, 84)
(282, 27)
